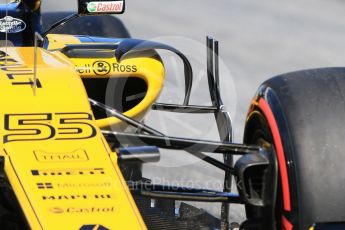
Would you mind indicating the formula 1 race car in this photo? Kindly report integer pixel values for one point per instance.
(71, 156)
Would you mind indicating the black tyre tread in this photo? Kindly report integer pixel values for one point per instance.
(313, 107)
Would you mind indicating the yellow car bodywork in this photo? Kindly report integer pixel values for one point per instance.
(61, 169)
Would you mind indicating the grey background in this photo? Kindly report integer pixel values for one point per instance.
(259, 39)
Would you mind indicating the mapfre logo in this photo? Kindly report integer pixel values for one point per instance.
(105, 7)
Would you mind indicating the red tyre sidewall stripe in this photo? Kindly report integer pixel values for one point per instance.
(265, 108)
(286, 224)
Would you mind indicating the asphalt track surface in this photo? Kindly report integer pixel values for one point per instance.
(259, 39)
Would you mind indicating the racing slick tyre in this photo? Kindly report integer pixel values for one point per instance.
(99, 25)
(301, 115)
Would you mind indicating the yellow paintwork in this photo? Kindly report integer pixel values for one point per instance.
(148, 69)
(57, 161)
(58, 41)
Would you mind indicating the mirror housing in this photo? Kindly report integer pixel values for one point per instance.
(95, 7)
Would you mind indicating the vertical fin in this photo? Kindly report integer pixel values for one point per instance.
(6, 39)
(38, 38)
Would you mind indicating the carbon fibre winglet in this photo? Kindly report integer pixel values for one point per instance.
(130, 46)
